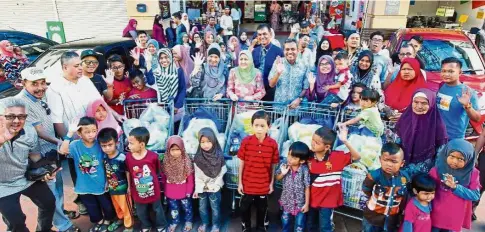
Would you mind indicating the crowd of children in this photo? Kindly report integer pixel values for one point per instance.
(109, 181)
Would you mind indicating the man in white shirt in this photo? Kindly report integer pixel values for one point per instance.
(236, 15)
(226, 23)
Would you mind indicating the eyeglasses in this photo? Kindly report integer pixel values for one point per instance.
(324, 64)
(118, 67)
(91, 62)
(377, 40)
(46, 107)
(405, 54)
(12, 117)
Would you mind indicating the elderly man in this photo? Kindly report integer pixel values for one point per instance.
(18, 144)
(34, 82)
(264, 56)
(289, 76)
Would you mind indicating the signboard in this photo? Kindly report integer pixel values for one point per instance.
(462, 19)
(440, 11)
(392, 7)
(449, 12)
(336, 10)
(249, 9)
(164, 9)
(55, 31)
(259, 12)
(480, 14)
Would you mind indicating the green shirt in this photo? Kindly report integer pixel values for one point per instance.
(371, 118)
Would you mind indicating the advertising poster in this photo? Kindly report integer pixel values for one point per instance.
(336, 9)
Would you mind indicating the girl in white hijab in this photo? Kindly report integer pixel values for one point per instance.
(185, 21)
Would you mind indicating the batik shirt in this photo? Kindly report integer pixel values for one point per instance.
(294, 183)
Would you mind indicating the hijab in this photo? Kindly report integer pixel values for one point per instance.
(462, 175)
(3, 49)
(214, 76)
(210, 162)
(186, 63)
(154, 57)
(206, 35)
(323, 79)
(237, 48)
(248, 74)
(421, 135)
(129, 27)
(176, 170)
(321, 52)
(364, 76)
(186, 23)
(109, 121)
(400, 92)
(166, 78)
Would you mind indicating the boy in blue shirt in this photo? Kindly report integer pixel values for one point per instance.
(91, 178)
(456, 102)
(114, 163)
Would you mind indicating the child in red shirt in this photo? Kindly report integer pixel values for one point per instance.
(121, 83)
(326, 176)
(140, 90)
(258, 156)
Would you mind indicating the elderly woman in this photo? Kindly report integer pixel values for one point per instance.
(245, 81)
(422, 132)
(325, 77)
(399, 93)
(209, 79)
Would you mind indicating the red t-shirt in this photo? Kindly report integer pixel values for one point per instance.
(258, 159)
(326, 188)
(145, 187)
(143, 94)
(120, 87)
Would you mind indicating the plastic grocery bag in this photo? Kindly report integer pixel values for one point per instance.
(155, 113)
(191, 134)
(302, 132)
(369, 148)
(130, 124)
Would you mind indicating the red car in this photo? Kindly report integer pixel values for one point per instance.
(439, 44)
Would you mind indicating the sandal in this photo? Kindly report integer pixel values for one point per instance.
(172, 228)
(95, 228)
(215, 229)
(115, 225)
(188, 227)
(202, 228)
(72, 214)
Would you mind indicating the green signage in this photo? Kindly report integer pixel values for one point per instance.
(55, 31)
(259, 12)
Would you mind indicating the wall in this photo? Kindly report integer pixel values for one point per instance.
(145, 20)
(425, 7)
(376, 16)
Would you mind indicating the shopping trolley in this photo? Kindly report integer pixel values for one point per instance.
(275, 110)
(134, 108)
(221, 110)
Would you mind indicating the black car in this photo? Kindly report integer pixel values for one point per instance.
(50, 59)
(32, 45)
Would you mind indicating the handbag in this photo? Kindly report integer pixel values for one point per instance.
(46, 165)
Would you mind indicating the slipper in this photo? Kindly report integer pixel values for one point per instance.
(188, 226)
(202, 228)
(72, 214)
(172, 227)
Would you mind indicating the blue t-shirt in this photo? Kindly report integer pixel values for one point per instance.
(116, 174)
(454, 115)
(91, 178)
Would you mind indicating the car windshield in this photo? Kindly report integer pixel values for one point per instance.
(434, 51)
(51, 63)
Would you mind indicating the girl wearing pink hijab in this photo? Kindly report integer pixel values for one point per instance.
(130, 29)
(100, 111)
(234, 47)
(12, 63)
(181, 55)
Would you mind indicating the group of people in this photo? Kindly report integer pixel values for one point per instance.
(79, 115)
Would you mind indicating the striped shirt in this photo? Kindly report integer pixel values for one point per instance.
(14, 160)
(37, 115)
(258, 160)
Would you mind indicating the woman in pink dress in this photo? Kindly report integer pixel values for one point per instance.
(245, 81)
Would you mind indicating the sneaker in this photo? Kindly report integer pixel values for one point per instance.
(130, 229)
(115, 225)
(82, 209)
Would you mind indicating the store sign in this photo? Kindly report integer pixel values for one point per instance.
(480, 14)
(449, 12)
(392, 7)
(55, 31)
(440, 11)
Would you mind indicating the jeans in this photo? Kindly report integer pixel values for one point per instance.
(42, 197)
(325, 220)
(99, 207)
(174, 209)
(61, 221)
(214, 199)
(293, 223)
(144, 215)
(261, 203)
(331, 98)
(367, 227)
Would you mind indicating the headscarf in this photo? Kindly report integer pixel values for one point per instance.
(207, 34)
(176, 170)
(210, 162)
(214, 76)
(421, 135)
(320, 52)
(129, 27)
(462, 175)
(186, 23)
(248, 74)
(154, 57)
(3, 49)
(192, 32)
(323, 79)
(364, 76)
(109, 122)
(166, 78)
(399, 93)
(237, 48)
(187, 64)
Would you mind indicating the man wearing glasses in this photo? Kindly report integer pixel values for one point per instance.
(89, 61)
(33, 95)
(18, 144)
(381, 56)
